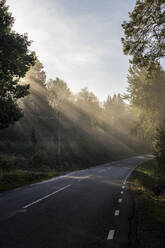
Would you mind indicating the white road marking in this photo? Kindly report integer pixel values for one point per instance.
(30, 204)
(126, 178)
(111, 235)
(122, 192)
(116, 212)
(119, 200)
(123, 187)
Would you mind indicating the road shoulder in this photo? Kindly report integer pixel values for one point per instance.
(149, 212)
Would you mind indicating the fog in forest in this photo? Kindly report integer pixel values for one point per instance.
(62, 130)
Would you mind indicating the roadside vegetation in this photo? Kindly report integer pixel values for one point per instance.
(149, 193)
(144, 41)
(14, 179)
(44, 127)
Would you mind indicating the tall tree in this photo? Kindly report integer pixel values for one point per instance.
(58, 96)
(36, 103)
(89, 104)
(146, 95)
(115, 108)
(58, 92)
(15, 61)
(145, 33)
(145, 42)
(37, 73)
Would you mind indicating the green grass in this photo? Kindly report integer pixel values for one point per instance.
(13, 179)
(149, 194)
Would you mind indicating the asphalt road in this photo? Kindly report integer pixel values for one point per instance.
(83, 209)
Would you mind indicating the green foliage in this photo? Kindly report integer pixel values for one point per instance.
(115, 108)
(65, 131)
(145, 33)
(58, 92)
(148, 191)
(15, 61)
(159, 149)
(145, 42)
(37, 73)
(9, 112)
(146, 96)
(148, 178)
(89, 107)
(16, 178)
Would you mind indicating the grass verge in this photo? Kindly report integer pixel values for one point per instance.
(14, 179)
(149, 195)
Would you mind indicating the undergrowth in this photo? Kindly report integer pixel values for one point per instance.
(149, 194)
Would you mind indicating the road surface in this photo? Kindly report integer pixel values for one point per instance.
(84, 209)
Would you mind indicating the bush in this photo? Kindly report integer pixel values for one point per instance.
(159, 149)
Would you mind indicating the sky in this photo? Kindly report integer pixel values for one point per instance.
(78, 41)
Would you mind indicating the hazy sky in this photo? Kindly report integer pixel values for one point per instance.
(78, 40)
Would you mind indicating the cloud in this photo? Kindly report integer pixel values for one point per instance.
(76, 40)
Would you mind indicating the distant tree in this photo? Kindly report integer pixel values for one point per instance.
(87, 97)
(145, 33)
(36, 103)
(115, 108)
(37, 73)
(15, 61)
(58, 95)
(58, 92)
(88, 103)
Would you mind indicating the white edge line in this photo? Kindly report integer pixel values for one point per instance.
(111, 235)
(30, 204)
(126, 178)
(117, 212)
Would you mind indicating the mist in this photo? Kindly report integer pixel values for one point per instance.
(62, 130)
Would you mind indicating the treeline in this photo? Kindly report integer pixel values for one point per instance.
(144, 41)
(44, 124)
(63, 130)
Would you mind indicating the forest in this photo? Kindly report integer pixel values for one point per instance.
(64, 131)
(45, 126)
(46, 130)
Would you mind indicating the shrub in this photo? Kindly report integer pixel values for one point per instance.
(159, 149)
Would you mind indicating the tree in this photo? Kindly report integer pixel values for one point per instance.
(15, 61)
(114, 108)
(145, 42)
(145, 33)
(90, 107)
(36, 102)
(159, 148)
(37, 73)
(58, 92)
(146, 95)
(58, 96)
